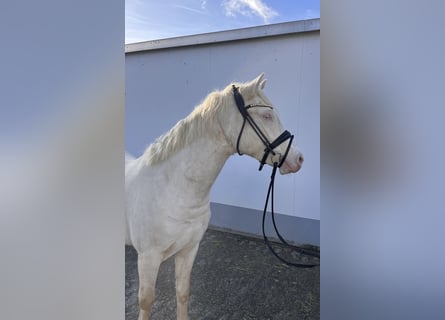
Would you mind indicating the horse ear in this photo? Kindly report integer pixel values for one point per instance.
(255, 85)
(263, 84)
(260, 81)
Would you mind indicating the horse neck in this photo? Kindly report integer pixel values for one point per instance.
(201, 162)
(197, 165)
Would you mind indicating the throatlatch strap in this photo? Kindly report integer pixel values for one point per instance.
(247, 118)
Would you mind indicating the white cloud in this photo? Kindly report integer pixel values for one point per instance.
(190, 9)
(249, 8)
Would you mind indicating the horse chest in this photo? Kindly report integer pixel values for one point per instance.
(182, 234)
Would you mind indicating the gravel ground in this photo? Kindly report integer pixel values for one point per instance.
(234, 277)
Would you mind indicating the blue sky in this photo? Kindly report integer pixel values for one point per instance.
(151, 20)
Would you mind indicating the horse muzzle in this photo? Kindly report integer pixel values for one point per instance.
(293, 163)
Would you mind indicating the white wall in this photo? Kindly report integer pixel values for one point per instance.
(163, 86)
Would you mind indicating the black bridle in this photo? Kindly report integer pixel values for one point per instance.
(286, 135)
(270, 146)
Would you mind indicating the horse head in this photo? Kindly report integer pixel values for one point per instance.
(255, 135)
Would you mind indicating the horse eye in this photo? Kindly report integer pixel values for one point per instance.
(267, 116)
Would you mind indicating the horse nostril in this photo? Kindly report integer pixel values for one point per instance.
(300, 159)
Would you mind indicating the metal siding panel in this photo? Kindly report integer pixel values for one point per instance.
(163, 86)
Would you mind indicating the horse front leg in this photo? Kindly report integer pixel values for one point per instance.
(183, 268)
(148, 267)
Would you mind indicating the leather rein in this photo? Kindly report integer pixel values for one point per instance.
(269, 149)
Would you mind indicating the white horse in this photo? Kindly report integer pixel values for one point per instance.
(168, 187)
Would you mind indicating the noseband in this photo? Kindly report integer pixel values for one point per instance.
(286, 135)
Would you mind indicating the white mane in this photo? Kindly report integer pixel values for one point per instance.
(186, 130)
